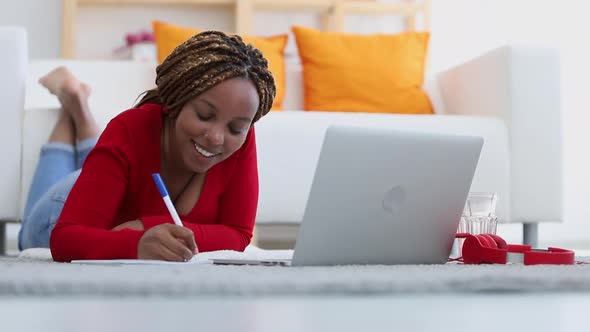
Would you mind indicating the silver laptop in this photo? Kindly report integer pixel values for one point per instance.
(382, 196)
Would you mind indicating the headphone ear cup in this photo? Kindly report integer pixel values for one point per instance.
(500, 242)
(486, 241)
(480, 248)
(471, 251)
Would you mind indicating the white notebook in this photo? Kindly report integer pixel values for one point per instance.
(251, 253)
(194, 260)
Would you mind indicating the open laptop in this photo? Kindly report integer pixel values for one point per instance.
(382, 196)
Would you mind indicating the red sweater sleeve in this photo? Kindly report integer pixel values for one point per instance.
(237, 206)
(83, 230)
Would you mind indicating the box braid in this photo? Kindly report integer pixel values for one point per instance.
(207, 59)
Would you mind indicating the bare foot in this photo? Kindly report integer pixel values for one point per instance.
(73, 96)
(62, 83)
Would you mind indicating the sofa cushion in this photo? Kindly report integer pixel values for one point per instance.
(168, 36)
(363, 73)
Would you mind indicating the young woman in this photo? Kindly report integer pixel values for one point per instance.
(195, 129)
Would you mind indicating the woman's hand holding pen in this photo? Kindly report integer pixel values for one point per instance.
(168, 239)
(167, 242)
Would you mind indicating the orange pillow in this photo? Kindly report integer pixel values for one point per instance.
(376, 73)
(168, 36)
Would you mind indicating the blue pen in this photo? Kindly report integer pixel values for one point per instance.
(166, 198)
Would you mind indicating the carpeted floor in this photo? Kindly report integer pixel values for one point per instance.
(38, 276)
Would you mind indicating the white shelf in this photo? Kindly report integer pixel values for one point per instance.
(331, 11)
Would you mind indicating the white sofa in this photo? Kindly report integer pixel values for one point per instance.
(510, 96)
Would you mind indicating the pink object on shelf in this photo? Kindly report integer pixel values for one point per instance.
(139, 37)
(138, 46)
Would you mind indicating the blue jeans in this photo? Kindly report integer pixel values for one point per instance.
(57, 171)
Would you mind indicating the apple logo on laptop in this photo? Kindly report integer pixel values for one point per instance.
(393, 199)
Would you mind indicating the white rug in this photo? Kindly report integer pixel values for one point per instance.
(35, 274)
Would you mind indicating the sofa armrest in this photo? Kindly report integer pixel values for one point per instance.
(12, 93)
(521, 86)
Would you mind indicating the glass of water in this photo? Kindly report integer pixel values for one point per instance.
(479, 214)
(478, 217)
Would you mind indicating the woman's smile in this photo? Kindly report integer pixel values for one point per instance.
(207, 153)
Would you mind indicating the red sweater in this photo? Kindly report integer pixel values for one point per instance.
(116, 186)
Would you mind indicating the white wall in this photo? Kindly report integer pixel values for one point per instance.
(464, 28)
(42, 18)
(461, 29)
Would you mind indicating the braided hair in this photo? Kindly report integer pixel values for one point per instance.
(205, 60)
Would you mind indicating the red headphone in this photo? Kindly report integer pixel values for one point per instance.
(492, 249)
